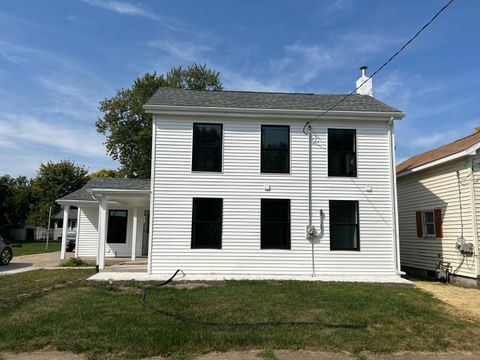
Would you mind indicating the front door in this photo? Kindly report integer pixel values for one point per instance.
(146, 229)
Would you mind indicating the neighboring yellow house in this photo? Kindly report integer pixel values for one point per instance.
(437, 223)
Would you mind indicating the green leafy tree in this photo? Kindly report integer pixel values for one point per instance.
(16, 197)
(128, 129)
(105, 173)
(53, 181)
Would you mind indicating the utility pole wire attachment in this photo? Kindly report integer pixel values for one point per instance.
(381, 67)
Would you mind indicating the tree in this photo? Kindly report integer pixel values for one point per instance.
(128, 128)
(53, 181)
(105, 173)
(477, 129)
(16, 195)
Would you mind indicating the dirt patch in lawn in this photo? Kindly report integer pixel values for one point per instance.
(464, 302)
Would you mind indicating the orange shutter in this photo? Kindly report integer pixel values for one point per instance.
(438, 223)
(419, 224)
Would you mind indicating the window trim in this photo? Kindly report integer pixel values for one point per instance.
(221, 148)
(355, 151)
(193, 246)
(289, 240)
(424, 224)
(289, 149)
(357, 225)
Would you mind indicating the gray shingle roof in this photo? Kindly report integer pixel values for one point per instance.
(107, 183)
(266, 100)
(71, 215)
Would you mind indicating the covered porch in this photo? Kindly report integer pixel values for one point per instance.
(113, 223)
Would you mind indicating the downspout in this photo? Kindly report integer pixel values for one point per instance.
(152, 198)
(474, 218)
(310, 230)
(396, 242)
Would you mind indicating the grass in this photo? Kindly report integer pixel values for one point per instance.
(35, 247)
(76, 262)
(103, 319)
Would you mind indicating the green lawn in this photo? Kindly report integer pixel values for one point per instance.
(101, 319)
(34, 247)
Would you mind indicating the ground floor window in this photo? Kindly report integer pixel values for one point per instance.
(344, 229)
(207, 214)
(117, 226)
(429, 223)
(275, 224)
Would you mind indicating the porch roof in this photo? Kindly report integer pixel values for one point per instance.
(105, 184)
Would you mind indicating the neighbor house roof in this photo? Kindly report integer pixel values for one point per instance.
(265, 100)
(84, 193)
(72, 214)
(439, 153)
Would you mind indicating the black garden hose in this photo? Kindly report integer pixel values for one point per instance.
(208, 323)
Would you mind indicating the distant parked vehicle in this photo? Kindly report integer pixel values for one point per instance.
(71, 241)
(6, 252)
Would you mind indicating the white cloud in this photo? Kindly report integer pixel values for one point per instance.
(128, 8)
(122, 7)
(186, 51)
(26, 130)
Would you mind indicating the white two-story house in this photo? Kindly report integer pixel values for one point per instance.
(235, 184)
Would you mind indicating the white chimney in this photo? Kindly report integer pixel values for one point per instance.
(367, 88)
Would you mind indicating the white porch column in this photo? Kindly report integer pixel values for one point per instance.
(102, 231)
(66, 211)
(134, 232)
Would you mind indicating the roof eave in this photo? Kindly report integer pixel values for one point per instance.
(305, 115)
(472, 150)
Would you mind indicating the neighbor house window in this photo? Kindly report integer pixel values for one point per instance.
(207, 147)
(428, 223)
(344, 231)
(117, 226)
(275, 157)
(73, 224)
(207, 223)
(342, 158)
(275, 224)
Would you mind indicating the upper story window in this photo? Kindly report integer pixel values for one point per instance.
(342, 157)
(275, 157)
(207, 147)
(344, 229)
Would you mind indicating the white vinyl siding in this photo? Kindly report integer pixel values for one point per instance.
(87, 241)
(242, 186)
(427, 190)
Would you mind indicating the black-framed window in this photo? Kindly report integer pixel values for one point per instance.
(342, 155)
(275, 157)
(275, 224)
(117, 226)
(207, 223)
(207, 147)
(344, 225)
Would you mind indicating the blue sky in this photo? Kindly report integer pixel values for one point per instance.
(58, 59)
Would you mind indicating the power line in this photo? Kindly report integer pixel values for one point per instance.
(384, 64)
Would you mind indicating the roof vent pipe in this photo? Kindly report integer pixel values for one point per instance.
(367, 87)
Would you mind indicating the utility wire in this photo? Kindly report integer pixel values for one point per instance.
(384, 64)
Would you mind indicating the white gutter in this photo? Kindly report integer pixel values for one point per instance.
(73, 202)
(393, 182)
(152, 199)
(302, 115)
(96, 191)
(472, 150)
